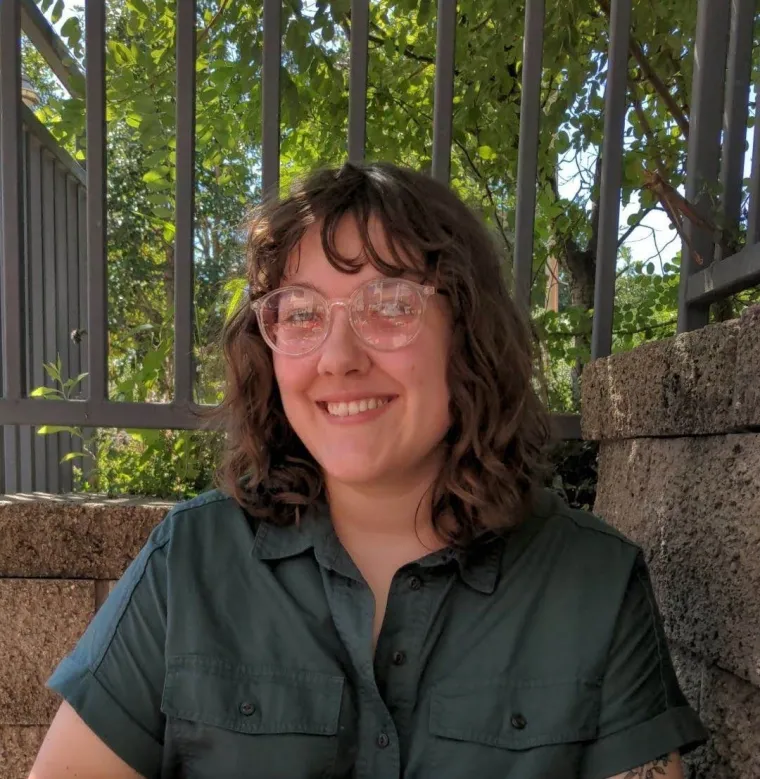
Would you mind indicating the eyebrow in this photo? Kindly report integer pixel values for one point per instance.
(315, 288)
(306, 284)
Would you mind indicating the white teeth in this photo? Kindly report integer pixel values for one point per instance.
(354, 407)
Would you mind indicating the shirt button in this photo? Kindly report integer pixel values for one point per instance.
(415, 583)
(518, 721)
(383, 740)
(398, 658)
(247, 708)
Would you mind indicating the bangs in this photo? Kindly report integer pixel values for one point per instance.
(390, 255)
(395, 230)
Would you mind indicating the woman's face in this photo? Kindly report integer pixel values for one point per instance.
(398, 442)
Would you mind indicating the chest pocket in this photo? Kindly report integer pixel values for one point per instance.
(493, 726)
(228, 720)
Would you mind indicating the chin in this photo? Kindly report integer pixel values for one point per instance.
(351, 470)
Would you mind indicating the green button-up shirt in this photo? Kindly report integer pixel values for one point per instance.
(232, 650)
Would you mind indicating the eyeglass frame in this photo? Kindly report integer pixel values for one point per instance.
(425, 291)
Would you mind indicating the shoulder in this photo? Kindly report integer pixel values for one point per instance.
(209, 500)
(211, 520)
(579, 548)
(579, 526)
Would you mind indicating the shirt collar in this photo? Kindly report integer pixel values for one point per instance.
(479, 565)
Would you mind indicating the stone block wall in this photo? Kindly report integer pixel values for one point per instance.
(679, 473)
(58, 557)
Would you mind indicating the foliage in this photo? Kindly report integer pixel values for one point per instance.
(141, 83)
(574, 473)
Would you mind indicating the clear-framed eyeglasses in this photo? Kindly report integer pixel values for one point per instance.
(385, 314)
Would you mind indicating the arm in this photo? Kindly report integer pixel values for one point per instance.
(644, 718)
(72, 751)
(111, 724)
(665, 767)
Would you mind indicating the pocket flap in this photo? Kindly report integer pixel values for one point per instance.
(516, 713)
(252, 699)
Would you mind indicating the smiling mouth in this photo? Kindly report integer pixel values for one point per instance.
(355, 407)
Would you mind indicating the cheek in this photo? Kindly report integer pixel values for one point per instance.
(292, 375)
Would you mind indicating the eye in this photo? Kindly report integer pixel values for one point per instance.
(300, 317)
(392, 308)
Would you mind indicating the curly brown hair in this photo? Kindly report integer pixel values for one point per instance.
(498, 439)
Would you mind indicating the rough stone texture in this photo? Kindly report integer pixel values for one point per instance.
(731, 711)
(747, 381)
(690, 671)
(18, 748)
(73, 536)
(697, 383)
(42, 621)
(691, 674)
(693, 504)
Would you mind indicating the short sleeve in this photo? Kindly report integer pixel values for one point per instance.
(114, 677)
(644, 713)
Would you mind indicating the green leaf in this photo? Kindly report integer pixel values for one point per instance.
(650, 268)
(48, 429)
(139, 6)
(72, 456)
(423, 13)
(156, 180)
(45, 392)
(486, 153)
(70, 28)
(55, 16)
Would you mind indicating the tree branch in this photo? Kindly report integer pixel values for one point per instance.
(489, 193)
(626, 235)
(657, 83)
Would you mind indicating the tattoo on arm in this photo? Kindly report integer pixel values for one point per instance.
(650, 770)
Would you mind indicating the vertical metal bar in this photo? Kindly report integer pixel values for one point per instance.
(97, 326)
(11, 271)
(527, 153)
(37, 299)
(270, 102)
(705, 124)
(736, 110)
(357, 80)
(50, 309)
(72, 270)
(87, 463)
(25, 432)
(185, 203)
(615, 98)
(753, 209)
(72, 277)
(11, 253)
(443, 106)
(61, 306)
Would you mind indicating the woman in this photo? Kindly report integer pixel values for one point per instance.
(379, 588)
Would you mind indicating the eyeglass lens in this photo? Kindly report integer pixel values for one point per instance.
(386, 314)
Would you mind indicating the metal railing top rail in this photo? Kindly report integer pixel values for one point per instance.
(57, 55)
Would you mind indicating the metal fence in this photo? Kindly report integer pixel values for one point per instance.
(720, 103)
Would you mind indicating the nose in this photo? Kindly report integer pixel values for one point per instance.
(342, 353)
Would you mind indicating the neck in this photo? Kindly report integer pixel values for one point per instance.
(388, 513)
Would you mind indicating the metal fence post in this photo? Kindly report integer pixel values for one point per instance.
(527, 151)
(615, 103)
(703, 160)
